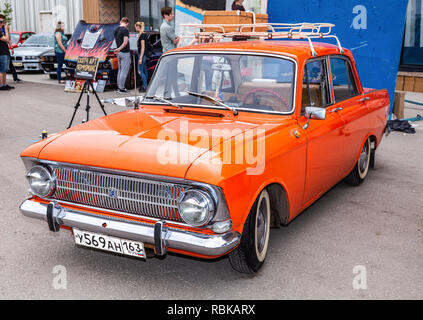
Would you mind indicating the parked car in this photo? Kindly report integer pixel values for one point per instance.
(231, 139)
(108, 69)
(28, 56)
(19, 37)
(49, 62)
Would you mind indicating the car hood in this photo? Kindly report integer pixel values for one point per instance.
(31, 51)
(152, 142)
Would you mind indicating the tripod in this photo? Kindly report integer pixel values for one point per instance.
(87, 85)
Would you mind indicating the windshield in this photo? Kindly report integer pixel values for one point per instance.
(241, 81)
(14, 37)
(41, 40)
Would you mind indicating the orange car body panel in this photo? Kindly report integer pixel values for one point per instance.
(305, 162)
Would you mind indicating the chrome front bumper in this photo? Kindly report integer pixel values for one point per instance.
(160, 234)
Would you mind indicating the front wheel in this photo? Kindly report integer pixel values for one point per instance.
(251, 253)
(361, 169)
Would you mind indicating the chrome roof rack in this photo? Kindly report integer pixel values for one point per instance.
(202, 33)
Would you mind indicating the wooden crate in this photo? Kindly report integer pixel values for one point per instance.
(400, 83)
(408, 83)
(233, 17)
(418, 84)
(399, 104)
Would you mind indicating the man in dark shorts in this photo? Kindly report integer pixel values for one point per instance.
(4, 53)
(123, 53)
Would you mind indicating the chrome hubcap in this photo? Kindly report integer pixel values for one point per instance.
(261, 226)
(364, 156)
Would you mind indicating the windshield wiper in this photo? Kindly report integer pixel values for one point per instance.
(215, 101)
(164, 100)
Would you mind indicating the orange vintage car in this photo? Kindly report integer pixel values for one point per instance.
(231, 139)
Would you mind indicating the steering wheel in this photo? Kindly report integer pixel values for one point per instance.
(275, 94)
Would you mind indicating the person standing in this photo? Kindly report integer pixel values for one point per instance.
(142, 62)
(4, 53)
(167, 32)
(123, 53)
(12, 67)
(60, 46)
(238, 5)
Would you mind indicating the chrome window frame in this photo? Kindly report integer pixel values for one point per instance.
(329, 80)
(254, 53)
(345, 58)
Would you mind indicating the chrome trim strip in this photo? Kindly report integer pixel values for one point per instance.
(235, 52)
(204, 244)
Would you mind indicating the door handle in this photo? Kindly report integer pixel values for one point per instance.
(364, 99)
(336, 109)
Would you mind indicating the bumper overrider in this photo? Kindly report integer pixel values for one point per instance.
(159, 234)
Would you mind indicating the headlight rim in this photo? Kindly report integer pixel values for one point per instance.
(51, 177)
(210, 201)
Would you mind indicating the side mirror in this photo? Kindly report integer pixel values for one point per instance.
(314, 113)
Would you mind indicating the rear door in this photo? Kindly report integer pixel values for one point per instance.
(351, 106)
(325, 150)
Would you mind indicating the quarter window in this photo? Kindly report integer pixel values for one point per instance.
(315, 85)
(344, 85)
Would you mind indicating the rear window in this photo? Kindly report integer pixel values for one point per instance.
(344, 85)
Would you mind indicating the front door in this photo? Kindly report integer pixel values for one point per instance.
(325, 150)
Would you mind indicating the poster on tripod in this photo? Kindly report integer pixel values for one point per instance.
(77, 85)
(86, 68)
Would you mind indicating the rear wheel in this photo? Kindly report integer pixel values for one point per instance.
(361, 169)
(251, 253)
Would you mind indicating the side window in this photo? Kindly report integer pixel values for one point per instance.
(316, 91)
(25, 36)
(344, 85)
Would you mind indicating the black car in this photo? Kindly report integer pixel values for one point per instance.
(49, 62)
(108, 69)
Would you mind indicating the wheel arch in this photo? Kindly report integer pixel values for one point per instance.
(279, 203)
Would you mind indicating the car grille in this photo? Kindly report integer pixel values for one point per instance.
(132, 195)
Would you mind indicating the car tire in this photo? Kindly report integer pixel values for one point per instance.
(362, 167)
(250, 255)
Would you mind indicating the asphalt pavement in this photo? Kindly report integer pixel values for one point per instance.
(355, 243)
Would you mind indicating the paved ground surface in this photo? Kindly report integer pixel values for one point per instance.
(378, 226)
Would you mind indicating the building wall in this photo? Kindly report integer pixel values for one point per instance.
(101, 11)
(91, 11)
(27, 14)
(109, 11)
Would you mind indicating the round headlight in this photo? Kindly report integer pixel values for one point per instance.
(196, 207)
(41, 182)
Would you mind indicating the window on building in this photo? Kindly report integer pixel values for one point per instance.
(150, 12)
(412, 52)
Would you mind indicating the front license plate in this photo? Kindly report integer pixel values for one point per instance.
(111, 244)
(17, 64)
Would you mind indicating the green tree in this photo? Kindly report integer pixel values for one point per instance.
(7, 12)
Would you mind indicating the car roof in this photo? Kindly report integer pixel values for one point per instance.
(295, 49)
